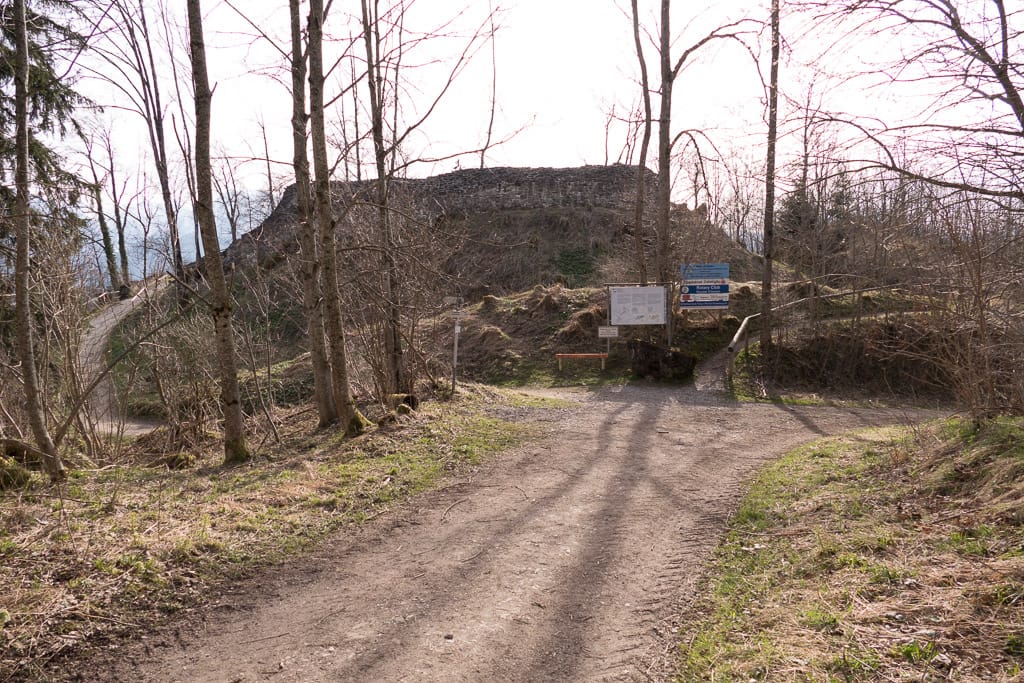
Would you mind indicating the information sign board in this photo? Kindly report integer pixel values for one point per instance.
(637, 305)
(607, 332)
(702, 272)
(689, 288)
(705, 285)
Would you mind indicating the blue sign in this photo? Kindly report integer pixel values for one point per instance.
(705, 289)
(705, 271)
(717, 304)
(705, 285)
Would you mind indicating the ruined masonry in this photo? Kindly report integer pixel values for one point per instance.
(460, 192)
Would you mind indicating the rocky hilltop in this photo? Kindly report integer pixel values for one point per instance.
(515, 227)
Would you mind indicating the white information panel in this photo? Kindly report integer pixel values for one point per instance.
(637, 305)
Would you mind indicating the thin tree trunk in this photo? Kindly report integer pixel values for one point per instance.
(23, 314)
(494, 87)
(352, 421)
(769, 194)
(395, 379)
(327, 412)
(108, 244)
(234, 430)
(641, 173)
(122, 247)
(357, 136)
(664, 241)
(271, 199)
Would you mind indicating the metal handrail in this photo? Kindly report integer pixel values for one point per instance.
(739, 340)
(741, 334)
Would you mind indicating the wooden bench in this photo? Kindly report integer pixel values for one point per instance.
(562, 356)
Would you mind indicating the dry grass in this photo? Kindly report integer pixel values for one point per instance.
(882, 557)
(116, 549)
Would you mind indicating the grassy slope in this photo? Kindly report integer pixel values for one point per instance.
(512, 340)
(887, 555)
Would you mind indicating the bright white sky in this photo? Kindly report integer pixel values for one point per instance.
(562, 65)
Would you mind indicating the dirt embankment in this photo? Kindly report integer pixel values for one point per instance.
(564, 561)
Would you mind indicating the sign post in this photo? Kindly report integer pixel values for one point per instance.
(607, 332)
(458, 314)
(455, 352)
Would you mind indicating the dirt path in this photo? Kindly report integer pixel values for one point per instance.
(103, 406)
(564, 561)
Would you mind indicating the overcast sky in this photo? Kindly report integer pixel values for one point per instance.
(563, 68)
(562, 65)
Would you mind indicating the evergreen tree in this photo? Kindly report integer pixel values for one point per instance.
(52, 43)
(52, 102)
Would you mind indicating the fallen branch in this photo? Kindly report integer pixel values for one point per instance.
(445, 513)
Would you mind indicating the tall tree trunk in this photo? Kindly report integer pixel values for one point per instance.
(101, 217)
(122, 247)
(395, 379)
(356, 134)
(664, 241)
(22, 306)
(234, 430)
(271, 199)
(108, 243)
(645, 143)
(494, 85)
(352, 421)
(769, 194)
(327, 411)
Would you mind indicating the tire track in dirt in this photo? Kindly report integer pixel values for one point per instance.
(569, 559)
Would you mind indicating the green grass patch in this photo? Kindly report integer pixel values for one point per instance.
(801, 589)
(576, 265)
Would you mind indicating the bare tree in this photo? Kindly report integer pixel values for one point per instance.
(310, 240)
(967, 57)
(669, 72)
(184, 140)
(312, 300)
(737, 198)
(47, 450)
(121, 204)
(183, 130)
(386, 46)
(229, 195)
(129, 52)
(235, 449)
(146, 216)
(352, 421)
(959, 148)
(113, 272)
(645, 143)
(813, 223)
(768, 244)
(494, 89)
(396, 381)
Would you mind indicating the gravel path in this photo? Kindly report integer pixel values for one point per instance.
(566, 560)
(103, 407)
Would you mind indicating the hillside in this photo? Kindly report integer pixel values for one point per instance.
(501, 230)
